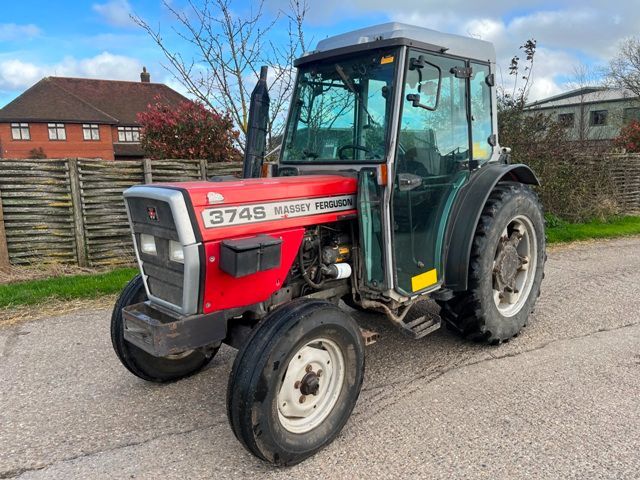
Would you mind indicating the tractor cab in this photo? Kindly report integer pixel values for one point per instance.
(411, 111)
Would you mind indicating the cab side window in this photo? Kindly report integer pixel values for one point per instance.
(434, 135)
(481, 125)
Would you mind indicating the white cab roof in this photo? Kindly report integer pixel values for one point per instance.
(457, 45)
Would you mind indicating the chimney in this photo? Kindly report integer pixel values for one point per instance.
(145, 77)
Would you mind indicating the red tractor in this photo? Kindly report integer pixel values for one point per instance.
(390, 187)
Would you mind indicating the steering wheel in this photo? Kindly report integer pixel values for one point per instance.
(352, 147)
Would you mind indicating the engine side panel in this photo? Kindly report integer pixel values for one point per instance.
(223, 291)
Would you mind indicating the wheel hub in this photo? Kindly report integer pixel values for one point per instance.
(512, 271)
(311, 386)
(508, 263)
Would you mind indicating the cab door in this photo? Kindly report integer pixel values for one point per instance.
(432, 164)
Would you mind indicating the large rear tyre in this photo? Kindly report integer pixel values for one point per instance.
(139, 362)
(295, 381)
(506, 268)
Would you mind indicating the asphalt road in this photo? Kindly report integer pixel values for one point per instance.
(560, 401)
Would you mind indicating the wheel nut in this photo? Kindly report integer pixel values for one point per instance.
(309, 368)
(319, 373)
(297, 384)
(302, 398)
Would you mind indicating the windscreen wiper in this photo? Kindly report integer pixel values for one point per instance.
(356, 91)
(346, 80)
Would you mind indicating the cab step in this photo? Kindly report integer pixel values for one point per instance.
(421, 326)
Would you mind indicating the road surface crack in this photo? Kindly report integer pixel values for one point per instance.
(434, 375)
(17, 472)
(11, 339)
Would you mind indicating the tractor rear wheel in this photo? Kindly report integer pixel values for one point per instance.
(139, 362)
(506, 268)
(295, 381)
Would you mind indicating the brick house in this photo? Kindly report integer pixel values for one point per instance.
(78, 117)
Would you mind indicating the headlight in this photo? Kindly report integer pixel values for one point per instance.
(176, 253)
(148, 244)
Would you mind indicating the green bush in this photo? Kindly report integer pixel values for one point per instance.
(576, 181)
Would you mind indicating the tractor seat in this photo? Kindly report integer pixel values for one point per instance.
(426, 162)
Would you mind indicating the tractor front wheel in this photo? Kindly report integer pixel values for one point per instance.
(295, 381)
(506, 268)
(139, 362)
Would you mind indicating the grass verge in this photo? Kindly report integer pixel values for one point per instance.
(65, 288)
(559, 231)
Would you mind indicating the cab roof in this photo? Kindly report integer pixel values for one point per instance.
(394, 33)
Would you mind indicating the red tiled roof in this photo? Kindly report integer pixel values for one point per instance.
(86, 100)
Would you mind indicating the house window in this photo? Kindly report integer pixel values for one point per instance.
(566, 120)
(631, 114)
(90, 131)
(57, 131)
(128, 134)
(598, 118)
(20, 131)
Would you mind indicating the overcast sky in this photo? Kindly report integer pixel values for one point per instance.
(97, 39)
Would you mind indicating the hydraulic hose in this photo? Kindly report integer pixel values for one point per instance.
(305, 274)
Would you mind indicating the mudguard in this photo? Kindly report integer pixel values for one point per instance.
(466, 214)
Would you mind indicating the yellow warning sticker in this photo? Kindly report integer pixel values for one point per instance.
(387, 59)
(424, 280)
(481, 150)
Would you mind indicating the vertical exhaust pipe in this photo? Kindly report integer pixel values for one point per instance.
(255, 148)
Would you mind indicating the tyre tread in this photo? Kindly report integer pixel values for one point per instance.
(465, 312)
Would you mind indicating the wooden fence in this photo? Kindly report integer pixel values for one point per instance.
(624, 170)
(71, 210)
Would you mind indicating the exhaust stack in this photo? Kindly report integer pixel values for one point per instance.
(255, 147)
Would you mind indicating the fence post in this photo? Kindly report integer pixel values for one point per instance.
(203, 169)
(4, 248)
(146, 166)
(78, 219)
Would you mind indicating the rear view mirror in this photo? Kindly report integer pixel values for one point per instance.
(408, 181)
(427, 80)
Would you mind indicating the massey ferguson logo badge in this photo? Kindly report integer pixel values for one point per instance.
(152, 214)
(214, 197)
(264, 212)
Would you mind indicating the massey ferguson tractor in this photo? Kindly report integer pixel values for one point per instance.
(390, 187)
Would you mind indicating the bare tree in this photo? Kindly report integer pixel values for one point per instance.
(222, 51)
(624, 68)
(517, 98)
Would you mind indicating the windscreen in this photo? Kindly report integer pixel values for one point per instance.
(341, 109)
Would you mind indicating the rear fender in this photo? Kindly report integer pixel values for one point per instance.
(466, 214)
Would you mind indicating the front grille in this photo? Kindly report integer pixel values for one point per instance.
(165, 278)
(152, 211)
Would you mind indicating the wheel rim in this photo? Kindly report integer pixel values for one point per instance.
(514, 266)
(311, 386)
